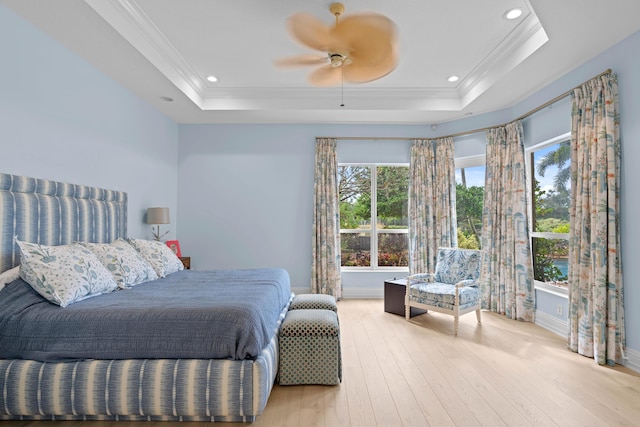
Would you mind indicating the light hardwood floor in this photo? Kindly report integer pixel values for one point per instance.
(399, 373)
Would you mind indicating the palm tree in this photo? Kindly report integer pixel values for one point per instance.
(558, 157)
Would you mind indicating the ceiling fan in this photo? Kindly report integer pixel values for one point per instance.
(359, 48)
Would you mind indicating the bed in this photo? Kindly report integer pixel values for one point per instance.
(190, 374)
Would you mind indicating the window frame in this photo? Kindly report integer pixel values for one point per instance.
(373, 231)
(546, 286)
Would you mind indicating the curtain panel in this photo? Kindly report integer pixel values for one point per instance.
(325, 269)
(596, 294)
(432, 202)
(508, 268)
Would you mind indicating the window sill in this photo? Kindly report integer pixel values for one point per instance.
(551, 289)
(374, 270)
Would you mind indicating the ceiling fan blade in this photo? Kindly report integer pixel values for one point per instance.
(310, 31)
(301, 60)
(326, 76)
(370, 38)
(355, 72)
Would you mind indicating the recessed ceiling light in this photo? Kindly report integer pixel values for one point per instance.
(212, 78)
(166, 98)
(453, 79)
(513, 13)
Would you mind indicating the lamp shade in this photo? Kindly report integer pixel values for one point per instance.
(157, 215)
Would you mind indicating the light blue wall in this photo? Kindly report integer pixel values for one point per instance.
(246, 191)
(61, 119)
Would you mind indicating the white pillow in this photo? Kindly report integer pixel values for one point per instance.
(123, 261)
(9, 276)
(161, 258)
(64, 274)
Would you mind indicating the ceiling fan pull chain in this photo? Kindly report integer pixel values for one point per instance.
(342, 86)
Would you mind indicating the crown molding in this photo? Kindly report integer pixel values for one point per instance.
(135, 26)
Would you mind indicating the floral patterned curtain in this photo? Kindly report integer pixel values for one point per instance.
(432, 202)
(325, 269)
(596, 306)
(508, 266)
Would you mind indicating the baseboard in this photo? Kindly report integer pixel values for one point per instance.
(633, 360)
(362, 293)
(551, 323)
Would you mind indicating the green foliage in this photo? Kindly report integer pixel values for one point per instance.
(393, 193)
(552, 216)
(467, 241)
(469, 210)
(545, 252)
(551, 225)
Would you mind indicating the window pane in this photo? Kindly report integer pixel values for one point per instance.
(552, 173)
(354, 184)
(550, 260)
(393, 250)
(469, 199)
(392, 193)
(355, 249)
(551, 199)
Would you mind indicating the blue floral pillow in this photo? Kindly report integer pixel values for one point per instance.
(161, 258)
(124, 262)
(64, 274)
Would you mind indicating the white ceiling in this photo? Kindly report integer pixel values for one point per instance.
(163, 49)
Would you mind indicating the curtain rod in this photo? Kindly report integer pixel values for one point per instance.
(469, 132)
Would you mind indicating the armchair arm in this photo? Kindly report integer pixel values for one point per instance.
(421, 277)
(467, 282)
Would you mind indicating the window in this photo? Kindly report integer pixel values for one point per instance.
(469, 199)
(373, 215)
(550, 171)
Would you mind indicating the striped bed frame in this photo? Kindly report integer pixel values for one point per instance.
(55, 213)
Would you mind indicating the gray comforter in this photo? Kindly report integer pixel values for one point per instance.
(221, 314)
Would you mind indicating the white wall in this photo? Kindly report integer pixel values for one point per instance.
(61, 119)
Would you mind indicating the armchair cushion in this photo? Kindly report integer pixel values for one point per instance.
(454, 265)
(443, 295)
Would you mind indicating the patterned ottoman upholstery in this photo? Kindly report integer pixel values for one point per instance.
(310, 348)
(314, 302)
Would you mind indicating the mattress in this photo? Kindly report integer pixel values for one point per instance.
(220, 314)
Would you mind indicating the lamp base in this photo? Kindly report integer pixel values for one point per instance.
(156, 233)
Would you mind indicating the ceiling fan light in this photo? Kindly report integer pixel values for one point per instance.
(336, 60)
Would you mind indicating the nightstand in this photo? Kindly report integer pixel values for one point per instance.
(186, 261)
(394, 292)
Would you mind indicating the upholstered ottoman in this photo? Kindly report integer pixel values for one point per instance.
(313, 302)
(310, 348)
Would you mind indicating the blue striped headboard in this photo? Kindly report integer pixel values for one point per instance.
(56, 213)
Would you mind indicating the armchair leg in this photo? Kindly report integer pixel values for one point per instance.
(455, 326)
(407, 308)
(478, 315)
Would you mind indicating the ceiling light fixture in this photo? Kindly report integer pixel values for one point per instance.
(212, 78)
(453, 79)
(513, 14)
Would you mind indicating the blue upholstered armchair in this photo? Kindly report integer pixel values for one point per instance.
(453, 288)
